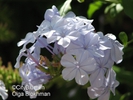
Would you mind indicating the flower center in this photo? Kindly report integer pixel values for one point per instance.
(62, 35)
(85, 48)
(77, 64)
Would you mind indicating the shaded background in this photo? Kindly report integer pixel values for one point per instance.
(18, 17)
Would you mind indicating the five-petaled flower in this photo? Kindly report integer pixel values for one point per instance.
(77, 66)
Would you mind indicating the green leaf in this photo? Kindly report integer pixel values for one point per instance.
(107, 9)
(113, 9)
(119, 8)
(123, 37)
(128, 7)
(113, 1)
(80, 1)
(124, 76)
(66, 7)
(125, 96)
(93, 7)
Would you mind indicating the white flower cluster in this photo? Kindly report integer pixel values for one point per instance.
(87, 56)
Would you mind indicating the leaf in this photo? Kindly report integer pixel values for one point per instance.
(93, 7)
(119, 8)
(128, 7)
(108, 8)
(123, 37)
(66, 7)
(80, 1)
(113, 9)
(124, 76)
(125, 96)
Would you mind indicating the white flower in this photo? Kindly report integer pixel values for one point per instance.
(3, 91)
(77, 67)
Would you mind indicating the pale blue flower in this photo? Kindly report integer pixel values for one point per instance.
(32, 77)
(97, 77)
(77, 67)
(30, 38)
(21, 54)
(86, 55)
(41, 42)
(81, 23)
(64, 35)
(3, 91)
(89, 42)
(50, 13)
(47, 28)
(116, 50)
(109, 40)
(103, 92)
(58, 49)
(50, 22)
(30, 73)
(63, 29)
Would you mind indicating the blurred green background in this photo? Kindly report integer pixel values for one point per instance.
(18, 17)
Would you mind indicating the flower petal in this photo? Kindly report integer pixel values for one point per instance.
(81, 77)
(72, 49)
(93, 38)
(52, 39)
(68, 73)
(89, 65)
(3, 91)
(104, 96)
(97, 78)
(116, 54)
(29, 38)
(64, 42)
(67, 60)
(94, 92)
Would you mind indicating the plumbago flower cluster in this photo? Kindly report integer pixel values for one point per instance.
(78, 53)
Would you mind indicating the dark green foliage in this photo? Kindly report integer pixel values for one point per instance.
(128, 7)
